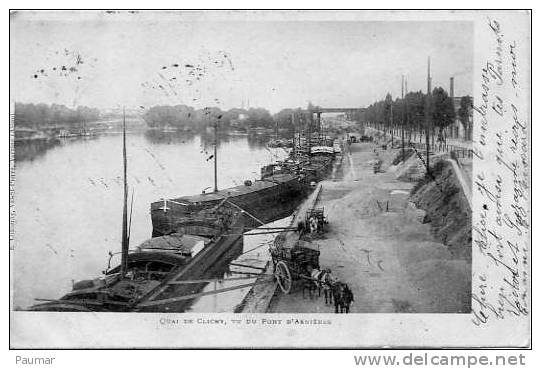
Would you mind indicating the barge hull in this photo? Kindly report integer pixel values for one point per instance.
(206, 263)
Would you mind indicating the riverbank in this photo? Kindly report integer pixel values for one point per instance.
(75, 175)
(382, 246)
(260, 296)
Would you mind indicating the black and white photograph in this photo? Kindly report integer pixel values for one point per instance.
(274, 168)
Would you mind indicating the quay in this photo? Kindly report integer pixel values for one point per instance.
(378, 244)
(259, 297)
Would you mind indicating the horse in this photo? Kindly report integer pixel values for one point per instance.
(301, 228)
(308, 284)
(347, 299)
(343, 297)
(314, 226)
(321, 224)
(337, 293)
(323, 279)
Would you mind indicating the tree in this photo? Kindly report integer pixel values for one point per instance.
(183, 116)
(259, 117)
(412, 110)
(42, 115)
(415, 112)
(284, 119)
(464, 114)
(387, 110)
(443, 109)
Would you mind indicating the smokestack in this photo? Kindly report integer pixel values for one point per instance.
(429, 79)
(452, 87)
(406, 85)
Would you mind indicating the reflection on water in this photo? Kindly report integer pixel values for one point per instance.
(258, 140)
(254, 251)
(68, 203)
(32, 149)
(168, 138)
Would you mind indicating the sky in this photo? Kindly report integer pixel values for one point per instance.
(271, 64)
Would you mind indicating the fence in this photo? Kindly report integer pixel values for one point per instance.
(458, 151)
(463, 153)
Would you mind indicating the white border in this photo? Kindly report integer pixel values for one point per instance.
(379, 330)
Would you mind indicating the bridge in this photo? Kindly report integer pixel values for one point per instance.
(351, 114)
(347, 111)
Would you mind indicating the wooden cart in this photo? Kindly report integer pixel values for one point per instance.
(318, 214)
(294, 263)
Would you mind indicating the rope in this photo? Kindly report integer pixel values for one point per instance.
(244, 273)
(258, 233)
(196, 295)
(220, 204)
(244, 211)
(247, 266)
(255, 248)
(85, 302)
(174, 202)
(212, 280)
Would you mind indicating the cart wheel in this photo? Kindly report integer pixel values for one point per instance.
(283, 277)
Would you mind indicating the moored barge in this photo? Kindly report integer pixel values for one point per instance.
(193, 238)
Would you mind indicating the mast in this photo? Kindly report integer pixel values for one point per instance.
(125, 241)
(310, 136)
(319, 126)
(302, 130)
(215, 156)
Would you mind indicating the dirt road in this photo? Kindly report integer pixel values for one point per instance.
(377, 245)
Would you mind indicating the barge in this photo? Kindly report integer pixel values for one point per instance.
(193, 238)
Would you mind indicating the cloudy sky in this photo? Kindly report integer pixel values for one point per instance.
(102, 60)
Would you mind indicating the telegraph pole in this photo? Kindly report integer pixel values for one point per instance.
(403, 114)
(407, 115)
(427, 116)
(294, 135)
(392, 135)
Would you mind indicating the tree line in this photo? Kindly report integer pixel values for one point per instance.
(38, 116)
(183, 116)
(186, 117)
(388, 113)
(410, 112)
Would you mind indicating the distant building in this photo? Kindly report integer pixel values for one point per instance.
(457, 130)
(239, 121)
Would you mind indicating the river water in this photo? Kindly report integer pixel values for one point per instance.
(68, 199)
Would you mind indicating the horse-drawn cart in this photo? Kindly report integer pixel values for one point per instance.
(314, 221)
(293, 263)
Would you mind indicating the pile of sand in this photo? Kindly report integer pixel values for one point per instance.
(413, 169)
(447, 282)
(423, 250)
(399, 157)
(447, 209)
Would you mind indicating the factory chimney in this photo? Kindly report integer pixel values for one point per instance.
(452, 87)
